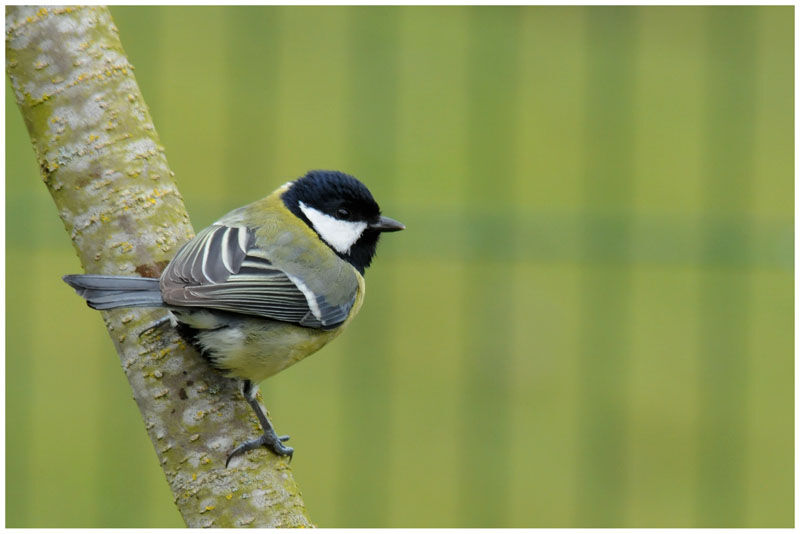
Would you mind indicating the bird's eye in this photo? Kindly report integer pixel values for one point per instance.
(343, 213)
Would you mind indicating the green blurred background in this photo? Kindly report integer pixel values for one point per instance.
(589, 321)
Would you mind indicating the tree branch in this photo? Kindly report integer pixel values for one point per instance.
(101, 160)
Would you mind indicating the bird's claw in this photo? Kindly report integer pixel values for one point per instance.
(152, 327)
(271, 441)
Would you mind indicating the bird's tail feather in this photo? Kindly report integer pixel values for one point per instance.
(103, 292)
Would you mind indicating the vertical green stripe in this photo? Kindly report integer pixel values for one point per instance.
(371, 131)
(606, 279)
(19, 388)
(770, 470)
(252, 71)
(725, 282)
(429, 173)
(487, 299)
(21, 322)
(144, 53)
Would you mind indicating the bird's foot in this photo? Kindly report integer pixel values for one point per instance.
(270, 440)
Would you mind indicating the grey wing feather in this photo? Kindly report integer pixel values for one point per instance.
(221, 268)
(212, 256)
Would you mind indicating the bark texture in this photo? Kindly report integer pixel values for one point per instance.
(101, 160)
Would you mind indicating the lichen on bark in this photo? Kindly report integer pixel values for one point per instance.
(102, 162)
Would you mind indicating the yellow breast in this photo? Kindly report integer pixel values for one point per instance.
(256, 349)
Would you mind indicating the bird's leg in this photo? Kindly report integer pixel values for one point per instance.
(269, 438)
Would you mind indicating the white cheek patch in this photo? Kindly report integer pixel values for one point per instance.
(341, 235)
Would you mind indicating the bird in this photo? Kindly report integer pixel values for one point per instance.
(264, 286)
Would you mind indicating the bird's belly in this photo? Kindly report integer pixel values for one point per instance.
(254, 349)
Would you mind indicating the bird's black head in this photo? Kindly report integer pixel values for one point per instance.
(341, 210)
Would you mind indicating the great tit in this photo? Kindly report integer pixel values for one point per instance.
(266, 285)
